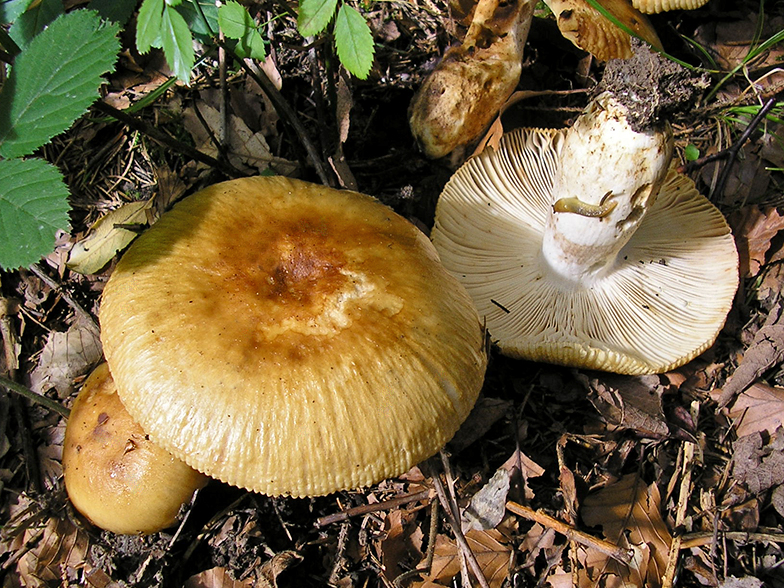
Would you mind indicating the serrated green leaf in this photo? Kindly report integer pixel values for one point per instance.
(149, 24)
(314, 16)
(237, 23)
(177, 44)
(54, 80)
(354, 41)
(33, 207)
(34, 20)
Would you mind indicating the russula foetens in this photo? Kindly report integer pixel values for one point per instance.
(114, 475)
(592, 31)
(462, 95)
(291, 339)
(582, 247)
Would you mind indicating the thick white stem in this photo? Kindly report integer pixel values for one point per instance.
(608, 177)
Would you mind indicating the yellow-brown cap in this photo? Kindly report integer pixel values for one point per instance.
(115, 476)
(291, 339)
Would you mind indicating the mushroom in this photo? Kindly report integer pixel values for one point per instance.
(460, 98)
(590, 30)
(291, 339)
(657, 6)
(114, 475)
(584, 248)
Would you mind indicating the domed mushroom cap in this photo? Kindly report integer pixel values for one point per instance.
(291, 339)
(660, 304)
(115, 476)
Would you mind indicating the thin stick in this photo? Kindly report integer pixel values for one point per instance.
(684, 492)
(368, 508)
(431, 550)
(167, 141)
(78, 309)
(287, 113)
(459, 537)
(570, 533)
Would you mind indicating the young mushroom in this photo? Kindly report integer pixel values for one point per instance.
(291, 339)
(584, 248)
(114, 475)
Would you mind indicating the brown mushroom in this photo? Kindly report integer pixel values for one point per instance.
(290, 338)
(114, 474)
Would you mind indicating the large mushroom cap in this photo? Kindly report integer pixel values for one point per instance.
(290, 338)
(660, 304)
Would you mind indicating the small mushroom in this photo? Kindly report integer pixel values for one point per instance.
(291, 339)
(460, 98)
(114, 475)
(584, 248)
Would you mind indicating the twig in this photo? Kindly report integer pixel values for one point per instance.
(572, 534)
(431, 550)
(702, 539)
(731, 152)
(77, 308)
(167, 141)
(687, 452)
(459, 537)
(287, 113)
(44, 401)
(368, 508)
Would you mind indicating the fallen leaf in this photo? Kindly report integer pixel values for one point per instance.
(766, 349)
(486, 412)
(216, 578)
(65, 356)
(754, 228)
(488, 506)
(492, 555)
(758, 408)
(59, 553)
(628, 402)
(401, 543)
(629, 513)
(758, 465)
(107, 236)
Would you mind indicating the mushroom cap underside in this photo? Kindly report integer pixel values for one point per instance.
(115, 476)
(291, 339)
(662, 302)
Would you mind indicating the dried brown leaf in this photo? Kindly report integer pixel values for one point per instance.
(216, 578)
(758, 408)
(66, 355)
(59, 554)
(758, 465)
(753, 229)
(630, 509)
(488, 506)
(400, 544)
(492, 555)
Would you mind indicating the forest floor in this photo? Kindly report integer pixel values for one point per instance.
(694, 491)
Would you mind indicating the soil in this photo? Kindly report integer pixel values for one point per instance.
(563, 434)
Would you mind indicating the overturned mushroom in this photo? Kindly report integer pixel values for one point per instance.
(460, 98)
(583, 247)
(291, 339)
(115, 476)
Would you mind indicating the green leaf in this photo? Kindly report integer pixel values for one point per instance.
(692, 153)
(149, 24)
(202, 18)
(314, 16)
(33, 207)
(354, 41)
(11, 9)
(237, 23)
(117, 10)
(177, 44)
(34, 20)
(54, 80)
